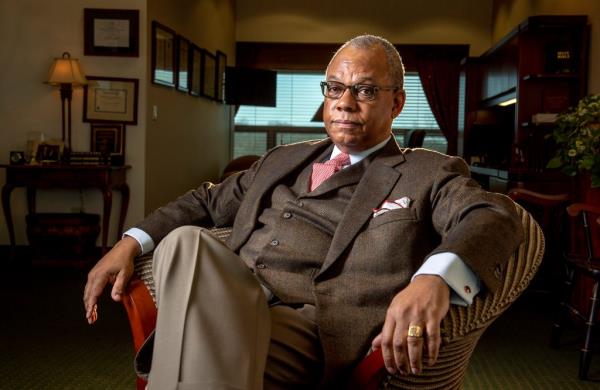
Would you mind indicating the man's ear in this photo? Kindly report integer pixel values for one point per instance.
(399, 100)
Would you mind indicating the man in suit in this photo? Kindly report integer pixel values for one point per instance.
(319, 267)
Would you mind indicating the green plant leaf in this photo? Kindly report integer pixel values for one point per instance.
(555, 162)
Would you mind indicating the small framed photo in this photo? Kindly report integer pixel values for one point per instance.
(111, 32)
(110, 99)
(108, 139)
(221, 64)
(163, 55)
(209, 72)
(195, 70)
(183, 64)
(48, 151)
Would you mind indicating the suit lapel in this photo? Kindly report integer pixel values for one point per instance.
(376, 184)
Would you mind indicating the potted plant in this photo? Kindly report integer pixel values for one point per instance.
(577, 136)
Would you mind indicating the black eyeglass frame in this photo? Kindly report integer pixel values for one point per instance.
(325, 85)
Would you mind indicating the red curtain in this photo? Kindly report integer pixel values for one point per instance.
(439, 69)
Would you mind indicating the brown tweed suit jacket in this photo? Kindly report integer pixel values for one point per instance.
(369, 259)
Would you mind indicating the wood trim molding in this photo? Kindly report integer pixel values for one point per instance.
(316, 56)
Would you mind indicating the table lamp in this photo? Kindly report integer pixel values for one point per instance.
(66, 73)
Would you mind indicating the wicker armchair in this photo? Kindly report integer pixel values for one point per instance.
(461, 329)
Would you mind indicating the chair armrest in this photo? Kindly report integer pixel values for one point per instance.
(369, 372)
(576, 208)
(548, 200)
(141, 311)
(463, 326)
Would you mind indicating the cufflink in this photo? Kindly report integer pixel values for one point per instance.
(467, 290)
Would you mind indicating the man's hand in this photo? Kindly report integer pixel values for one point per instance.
(115, 267)
(424, 302)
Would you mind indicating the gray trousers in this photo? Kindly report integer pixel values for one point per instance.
(215, 329)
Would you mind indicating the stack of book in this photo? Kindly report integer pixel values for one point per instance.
(88, 158)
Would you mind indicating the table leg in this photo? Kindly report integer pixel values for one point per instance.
(6, 190)
(124, 206)
(107, 198)
(31, 191)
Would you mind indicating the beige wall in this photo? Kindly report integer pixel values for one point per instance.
(432, 21)
(32, 33)
(189, 142)
(507, 14)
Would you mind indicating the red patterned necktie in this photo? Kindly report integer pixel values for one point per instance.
(323, 171)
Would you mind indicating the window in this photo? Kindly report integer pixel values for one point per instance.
(298, 99)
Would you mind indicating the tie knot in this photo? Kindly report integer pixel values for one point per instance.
(340, 160)
(323, 171)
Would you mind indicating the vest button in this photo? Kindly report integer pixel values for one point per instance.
(300, 204)
(274, 242)
(287, 215)
(261, 266)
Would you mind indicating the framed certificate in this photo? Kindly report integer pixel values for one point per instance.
(195, 69)
(163, 55)
(209, 72)
(183, 64)
(110, 99)
(111, 32)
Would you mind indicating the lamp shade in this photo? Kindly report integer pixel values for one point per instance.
(66, 70)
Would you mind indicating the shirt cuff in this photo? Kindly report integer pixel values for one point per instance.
(146, 242)
(463, 282)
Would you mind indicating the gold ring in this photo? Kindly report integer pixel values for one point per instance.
(415, 331)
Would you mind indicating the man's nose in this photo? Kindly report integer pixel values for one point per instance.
(346, 102)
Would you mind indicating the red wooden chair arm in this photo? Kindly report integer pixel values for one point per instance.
(369, 373)
(547, 200)
(141, 310)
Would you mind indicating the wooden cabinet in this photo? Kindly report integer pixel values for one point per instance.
(542, 64)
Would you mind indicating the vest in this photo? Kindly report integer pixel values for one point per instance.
(295, 229)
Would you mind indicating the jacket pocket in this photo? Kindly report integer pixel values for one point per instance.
(408, 214)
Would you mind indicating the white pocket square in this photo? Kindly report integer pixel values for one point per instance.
(389, 205)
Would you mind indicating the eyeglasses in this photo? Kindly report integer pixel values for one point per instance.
(361, 92)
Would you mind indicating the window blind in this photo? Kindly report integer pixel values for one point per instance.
(299, 97)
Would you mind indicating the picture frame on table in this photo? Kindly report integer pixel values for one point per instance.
(195, 73)
(163, 55)
(111, 32)
(209, 72)
(183, 64)
(220, 76)
(48, 152)
(110, 99)
(108, 139)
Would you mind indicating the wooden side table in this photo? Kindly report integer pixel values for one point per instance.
(106, 178)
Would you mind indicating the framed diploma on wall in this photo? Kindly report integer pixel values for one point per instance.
(195, 73)
(183, 64)
(163, 55)
(209, 72)
(110, 99)
(111, 32)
